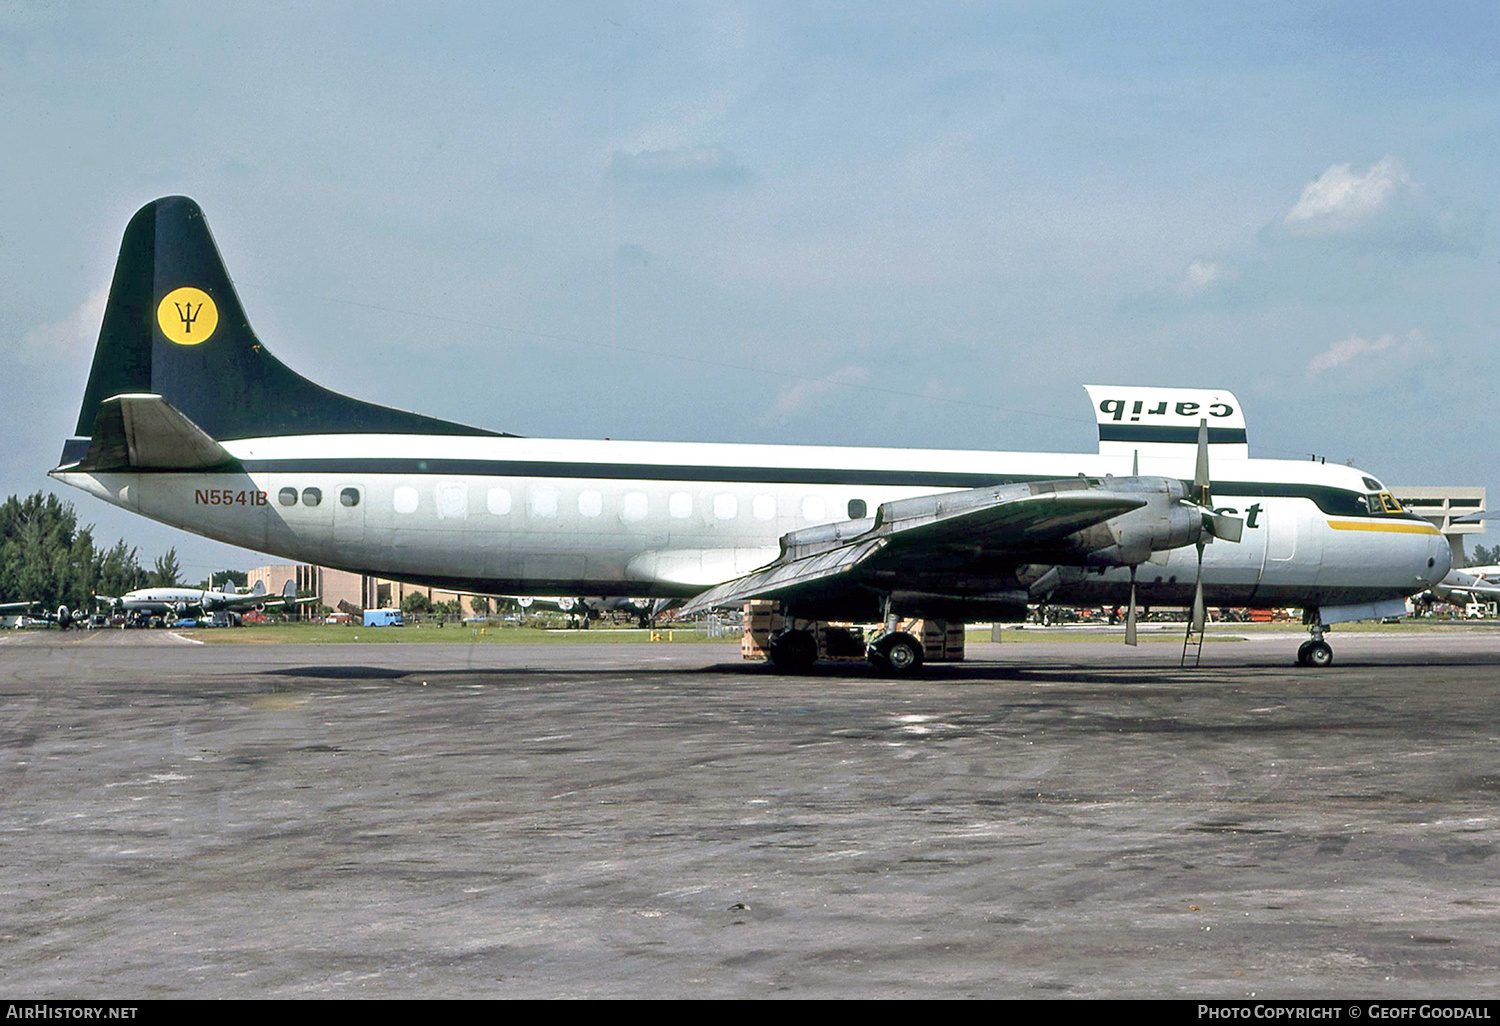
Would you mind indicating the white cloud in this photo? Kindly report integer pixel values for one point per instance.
(1341, 200)
(802, 394)
(1203, 275)
(686, 166)
(1381, 208)
(1366, 357)
(69, 339)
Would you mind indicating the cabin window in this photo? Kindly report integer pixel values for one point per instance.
(634, 507)
(726, 506)
(287, 496)
(680, 505)
(764, 507)
(590, 503)
(349, 497)
(814, 509)
(856, 509)
(312, 496)
(404, 499)
(544, 503)
(498, 501)
(453, 501)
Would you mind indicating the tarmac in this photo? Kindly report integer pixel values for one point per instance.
(1047, 820)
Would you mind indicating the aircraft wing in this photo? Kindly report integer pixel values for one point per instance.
(261, 597)
(1459, 586)
(956, 541)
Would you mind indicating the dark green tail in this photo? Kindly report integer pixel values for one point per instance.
(174, 327)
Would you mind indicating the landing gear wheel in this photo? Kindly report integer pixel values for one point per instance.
(793, 651)
(1319, 654)
(1315, 653)
(897, 654)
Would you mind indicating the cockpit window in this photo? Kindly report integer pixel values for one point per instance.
(1374, 485)
(1380, 504)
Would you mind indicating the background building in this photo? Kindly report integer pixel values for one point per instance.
(1442, 505)
(349, 592)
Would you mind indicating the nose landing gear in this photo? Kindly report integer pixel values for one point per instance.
(1316, 652)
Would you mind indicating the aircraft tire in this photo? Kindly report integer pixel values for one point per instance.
(1319, 654)
(900, 654)
(793, 651)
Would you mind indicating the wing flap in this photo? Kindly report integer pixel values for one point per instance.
(784, 577)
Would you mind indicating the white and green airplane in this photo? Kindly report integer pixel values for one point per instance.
(190, 420)
(143, 604)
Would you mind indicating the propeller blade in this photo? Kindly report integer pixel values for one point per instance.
(1130, 638)
(1200, 611)
(1222, 525)
(1215, 525)
(1201, 493)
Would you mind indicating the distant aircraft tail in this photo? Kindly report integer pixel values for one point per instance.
(174, 328)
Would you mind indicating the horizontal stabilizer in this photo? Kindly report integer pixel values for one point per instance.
(145, 432)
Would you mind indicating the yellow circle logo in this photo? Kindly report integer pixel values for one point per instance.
(187, 316)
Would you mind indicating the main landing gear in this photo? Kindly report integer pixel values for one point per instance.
(895, 653)
(1316, 652)
(892, 651)
(792, 651)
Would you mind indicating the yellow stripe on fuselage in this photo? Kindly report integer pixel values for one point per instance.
(1405, 527)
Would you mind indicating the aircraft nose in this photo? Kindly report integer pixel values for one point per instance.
(1439, 561)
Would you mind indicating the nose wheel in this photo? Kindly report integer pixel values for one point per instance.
(1315, 653)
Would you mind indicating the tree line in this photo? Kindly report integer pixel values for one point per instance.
(46, 557)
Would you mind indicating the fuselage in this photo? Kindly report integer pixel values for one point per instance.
(170, 599)
(502, 515)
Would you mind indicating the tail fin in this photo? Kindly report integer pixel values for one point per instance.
(174, 327)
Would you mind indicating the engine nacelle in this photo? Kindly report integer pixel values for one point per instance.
(1166, 522)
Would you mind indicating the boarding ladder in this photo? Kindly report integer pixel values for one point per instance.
(1193, 643)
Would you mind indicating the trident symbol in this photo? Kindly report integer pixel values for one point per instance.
(188, 316)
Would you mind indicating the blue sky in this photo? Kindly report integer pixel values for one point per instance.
(864, 224)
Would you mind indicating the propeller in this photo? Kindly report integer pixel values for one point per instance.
(1215, 525)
